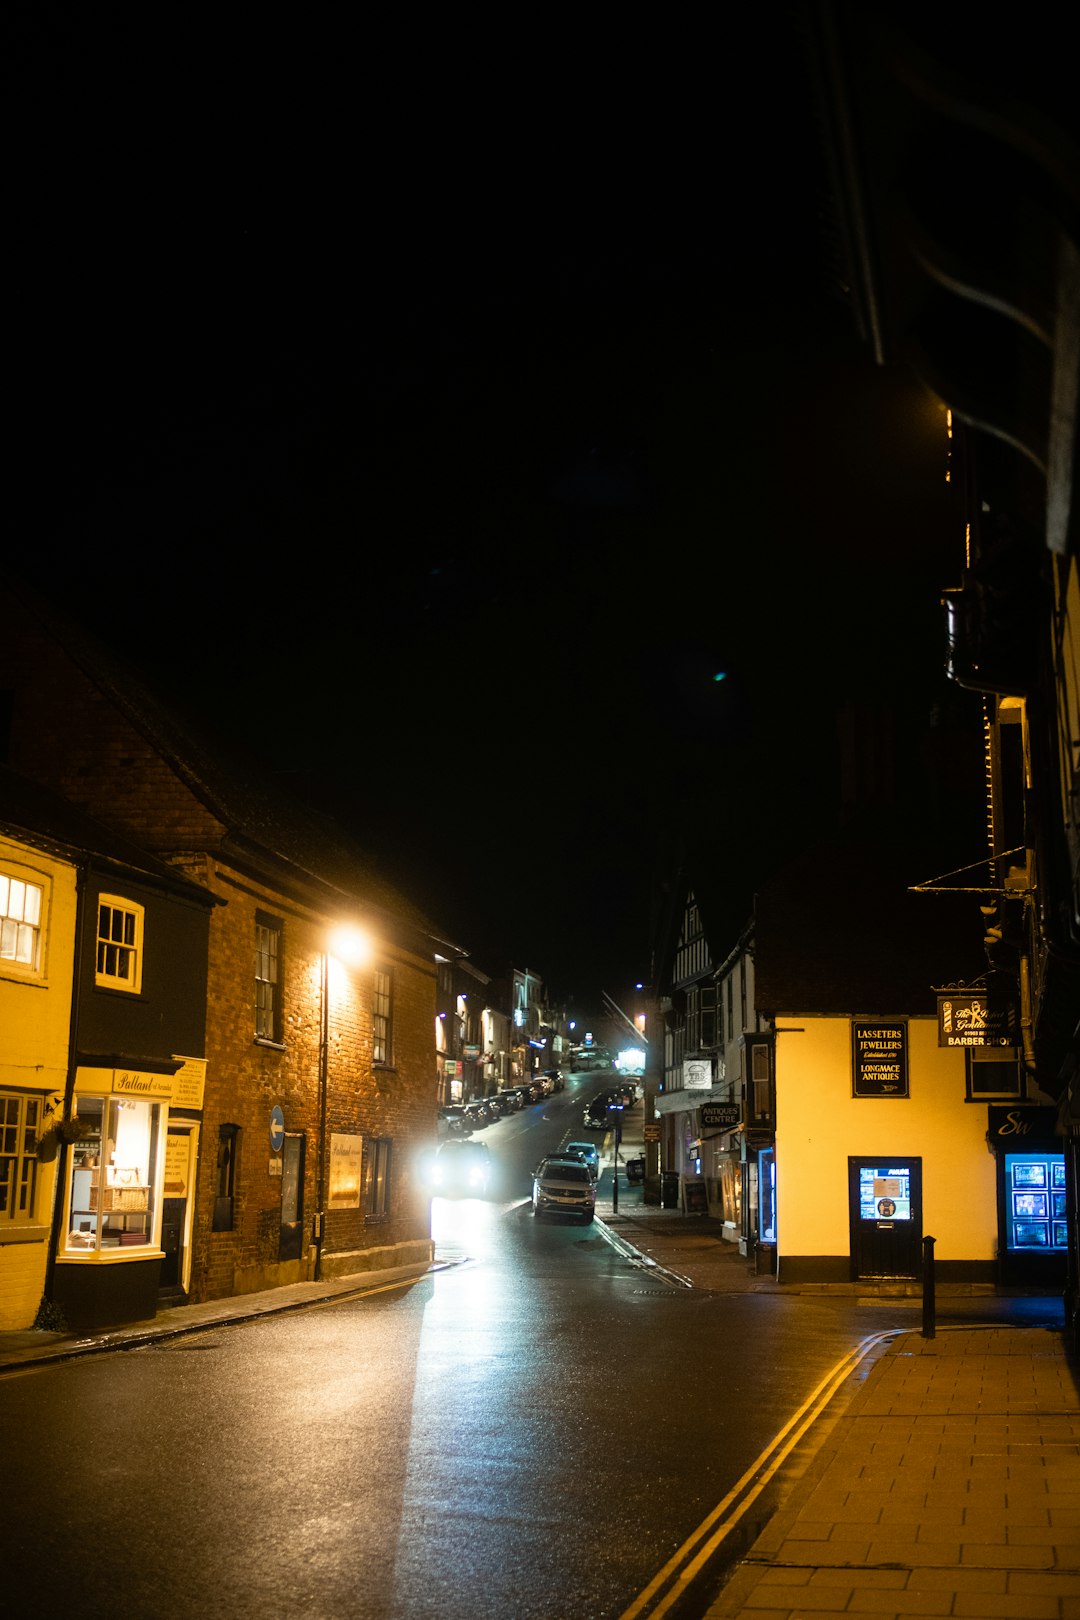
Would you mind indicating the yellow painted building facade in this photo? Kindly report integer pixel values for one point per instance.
(37, 949)
(826, 1137)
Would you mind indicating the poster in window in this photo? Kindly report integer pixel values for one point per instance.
(879, 1059)
(1061, 1237)
(1029, 1175)
(1058, 1167)
(345, 1159)
(1057, 1200)
(1030, 1206)
(1031, 1235)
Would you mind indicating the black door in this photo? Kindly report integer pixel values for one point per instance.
(292, 1198)
(885, 1202)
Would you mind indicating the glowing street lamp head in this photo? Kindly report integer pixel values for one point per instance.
(351, 945)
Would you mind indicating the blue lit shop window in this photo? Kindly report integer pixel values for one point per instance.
(1035, 1201)
(885, 1192)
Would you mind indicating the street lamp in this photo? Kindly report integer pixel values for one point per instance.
(352, 947)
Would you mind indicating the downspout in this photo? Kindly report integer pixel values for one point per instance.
(1026, 1022)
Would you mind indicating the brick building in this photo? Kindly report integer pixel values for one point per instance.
(319, 1093)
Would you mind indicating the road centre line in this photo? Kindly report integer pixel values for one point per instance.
(686, 1564)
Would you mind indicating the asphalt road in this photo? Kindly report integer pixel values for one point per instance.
(529, 1433)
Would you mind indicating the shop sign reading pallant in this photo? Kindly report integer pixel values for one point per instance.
(879, 1059)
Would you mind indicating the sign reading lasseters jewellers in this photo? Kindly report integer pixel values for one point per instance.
(879, 1059)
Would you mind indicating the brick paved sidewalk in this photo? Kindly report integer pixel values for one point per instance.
(950, 1486)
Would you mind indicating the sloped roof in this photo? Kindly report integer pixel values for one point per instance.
(265, 826)
(44, 820)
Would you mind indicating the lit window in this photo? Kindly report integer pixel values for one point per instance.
(268, 1018)
(382, 1016)
(21, 908)
(119, 943)
(113, 1180)
(20, 1118)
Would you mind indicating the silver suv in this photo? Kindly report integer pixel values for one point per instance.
(563, 1187)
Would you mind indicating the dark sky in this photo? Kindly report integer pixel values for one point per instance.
(442, 408)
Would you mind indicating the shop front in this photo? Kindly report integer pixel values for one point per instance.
(1033, 1243)
(125, 1222)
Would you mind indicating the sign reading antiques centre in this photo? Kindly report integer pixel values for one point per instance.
(973, 1018)
(879, 1059)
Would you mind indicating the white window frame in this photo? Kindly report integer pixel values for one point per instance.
(17, 883)
(129, 950)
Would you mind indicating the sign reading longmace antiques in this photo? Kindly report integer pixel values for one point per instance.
(879, 1059)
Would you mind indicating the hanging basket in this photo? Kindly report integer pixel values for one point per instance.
(55, 1132)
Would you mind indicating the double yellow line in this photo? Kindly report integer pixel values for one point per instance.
(670, 1584)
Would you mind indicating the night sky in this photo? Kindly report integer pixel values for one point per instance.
(441, 409)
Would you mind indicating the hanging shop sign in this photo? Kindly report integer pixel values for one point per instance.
(720, 1116)
(697, 1074)
(879, 1057)
(974, 1018)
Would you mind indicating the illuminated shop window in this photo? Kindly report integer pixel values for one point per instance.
(20, 1118)
(1035, 1221)
(112, 1184)
(119, 944)
(21, 910)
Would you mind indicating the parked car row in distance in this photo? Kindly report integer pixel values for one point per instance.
(462, 1119)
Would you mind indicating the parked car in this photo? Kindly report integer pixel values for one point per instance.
(478, 1114)
(510, 1100)
(452, 1122)
(563, 1187)
(596, 1115)
(587, 1151)
(495, 1106)
(462, 1168)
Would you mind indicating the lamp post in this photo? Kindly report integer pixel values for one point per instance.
(617, 1110)
(352, 947)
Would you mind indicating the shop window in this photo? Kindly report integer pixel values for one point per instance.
(1035, 1220)
(20, 1118)
(269, 1023)
(112, 1184)
(376, 1196)
(21, 915)
(382, 1017)
(992, 1072)
(225, 1195)
(119, 944)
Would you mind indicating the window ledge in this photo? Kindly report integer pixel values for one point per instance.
(271, 1046)
(25, 1233)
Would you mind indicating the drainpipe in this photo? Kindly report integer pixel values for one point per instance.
(1026, 1023)
(64, 1151)
(324, 1068)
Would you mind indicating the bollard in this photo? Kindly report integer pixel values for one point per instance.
(928, 1287)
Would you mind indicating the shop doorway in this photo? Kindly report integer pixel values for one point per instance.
(292, 1198)
(180, 1161)
(885, 1209)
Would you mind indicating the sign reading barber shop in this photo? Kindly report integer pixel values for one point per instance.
(975, 1019)
(879, 1059)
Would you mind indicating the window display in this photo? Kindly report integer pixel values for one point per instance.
(111, 1202)
(1034, 1210)
(885, 1192)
